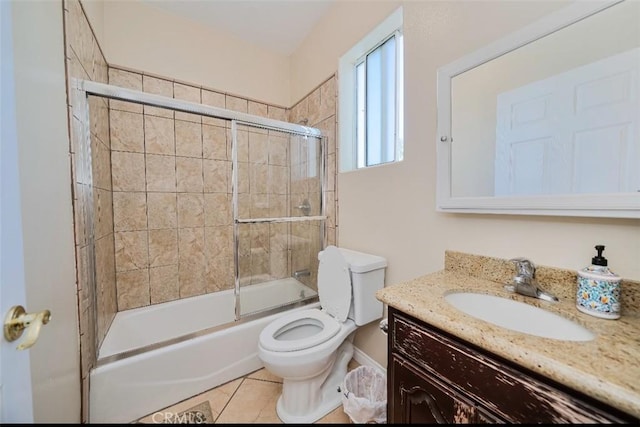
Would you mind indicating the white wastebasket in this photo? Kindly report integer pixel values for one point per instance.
(364, 395)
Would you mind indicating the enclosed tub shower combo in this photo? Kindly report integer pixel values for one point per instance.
(230, 238)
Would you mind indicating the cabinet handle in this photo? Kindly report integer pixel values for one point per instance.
(384, 326)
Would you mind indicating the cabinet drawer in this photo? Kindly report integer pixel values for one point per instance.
(509, 393)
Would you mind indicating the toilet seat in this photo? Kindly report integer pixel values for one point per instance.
(334, 291)
(328, 324)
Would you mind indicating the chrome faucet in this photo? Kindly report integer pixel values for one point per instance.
(301, 273)
(524, 281)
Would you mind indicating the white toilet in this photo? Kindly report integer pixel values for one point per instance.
(310, 349)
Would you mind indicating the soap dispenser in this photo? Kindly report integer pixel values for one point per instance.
(598, 289)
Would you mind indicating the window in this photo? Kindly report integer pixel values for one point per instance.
(371, 98)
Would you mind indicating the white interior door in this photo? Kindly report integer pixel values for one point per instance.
(16, 405)
(575, 132)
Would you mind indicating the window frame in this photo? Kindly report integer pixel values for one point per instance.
(348, 115)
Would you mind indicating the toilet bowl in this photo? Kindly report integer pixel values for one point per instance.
(310, 349)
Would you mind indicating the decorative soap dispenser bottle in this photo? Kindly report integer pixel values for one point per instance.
(598, 289)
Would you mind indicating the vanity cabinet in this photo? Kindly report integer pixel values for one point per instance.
(434, 377)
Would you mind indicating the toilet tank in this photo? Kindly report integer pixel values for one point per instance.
(367, 277)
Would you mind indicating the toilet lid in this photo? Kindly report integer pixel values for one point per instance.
(334, 283)
(327, 328)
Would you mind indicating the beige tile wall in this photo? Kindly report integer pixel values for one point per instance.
(92, 194)
(172, 195)
(170, 179)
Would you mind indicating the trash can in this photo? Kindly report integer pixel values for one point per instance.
(364, 395)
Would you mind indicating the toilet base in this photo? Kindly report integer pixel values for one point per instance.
(326, 407)
(310, 400)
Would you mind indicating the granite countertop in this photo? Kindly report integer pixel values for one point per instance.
(606, 368)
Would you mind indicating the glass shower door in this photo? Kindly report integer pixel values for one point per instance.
(278, 216)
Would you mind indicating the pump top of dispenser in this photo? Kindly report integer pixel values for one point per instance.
(599, 259)
(598, 268)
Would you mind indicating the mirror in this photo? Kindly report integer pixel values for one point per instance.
(547, 120)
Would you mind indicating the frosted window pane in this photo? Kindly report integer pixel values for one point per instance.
(381, 104)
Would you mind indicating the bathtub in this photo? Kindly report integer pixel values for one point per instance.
(153, 357)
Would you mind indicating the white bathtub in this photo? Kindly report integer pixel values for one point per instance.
(126, 389)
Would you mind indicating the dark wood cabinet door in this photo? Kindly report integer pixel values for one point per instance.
(422, 399)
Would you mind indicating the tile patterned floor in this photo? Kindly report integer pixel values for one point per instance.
(247, 400)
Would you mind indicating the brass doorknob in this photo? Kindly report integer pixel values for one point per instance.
(17, 320)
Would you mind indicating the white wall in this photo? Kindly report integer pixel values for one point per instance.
(390, 210)
(149, 39)
(345, 23)
(45, 185)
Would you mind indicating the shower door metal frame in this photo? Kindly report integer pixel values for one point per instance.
(82, 89)
(237, 221)
(87, 87)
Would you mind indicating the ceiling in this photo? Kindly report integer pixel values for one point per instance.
(277, 25)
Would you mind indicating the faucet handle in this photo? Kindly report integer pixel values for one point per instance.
(524, 266)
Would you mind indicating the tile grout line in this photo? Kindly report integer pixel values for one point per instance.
(230, 398)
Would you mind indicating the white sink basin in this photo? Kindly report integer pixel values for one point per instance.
(518, 316)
